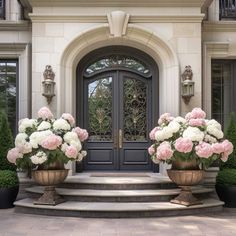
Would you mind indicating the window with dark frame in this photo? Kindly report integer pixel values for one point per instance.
(227, 9)
(223, 86)
(9, 91)
(2, 9)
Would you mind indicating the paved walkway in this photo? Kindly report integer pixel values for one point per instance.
(218, 224)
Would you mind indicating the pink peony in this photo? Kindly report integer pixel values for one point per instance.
(152, 133)
(82, 133)
(13, 154)
(151, 150)
(71, 152)
(197, 122)
(217, 148)
(224, 157)
(69, 117)
(45, 113)
(51, 142)
(184, 145)
(204, 150)
(165, 118)
(164, 151)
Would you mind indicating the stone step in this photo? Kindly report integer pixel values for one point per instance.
(118, 183)
(117, 210)
(95, 195)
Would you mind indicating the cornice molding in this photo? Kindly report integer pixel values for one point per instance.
(219, 48)
(219, 26)
(116, 3)
(12, 47)
(103, 18)
(14, 25)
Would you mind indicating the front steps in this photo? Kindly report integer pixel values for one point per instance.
(118, 197)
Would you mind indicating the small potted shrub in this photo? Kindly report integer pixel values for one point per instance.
(9, 187)
(226, 186)
(226, 178)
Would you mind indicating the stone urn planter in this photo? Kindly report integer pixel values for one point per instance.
(49, 176)
(185, 174)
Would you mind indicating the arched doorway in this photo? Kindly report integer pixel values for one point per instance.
(117, 101)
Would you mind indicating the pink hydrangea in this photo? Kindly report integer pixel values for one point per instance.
(82, 133)
(151, 150)
(69, 117)
(184, 145)
(196, 113)
(197, 122)
(165, 118)
(164, 151)
(13, 154)
(204, 150)
(51, 142)
(228, 146)
(71, 152)
(152, 133)
(217, 148)
(45, 113)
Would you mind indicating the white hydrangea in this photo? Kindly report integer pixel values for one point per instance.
(76, 144)
(20, 139)
(39, 158)
(213, 123)
(64, 147)
(26, 123)
(27, 148)
(84, 153)
(175, 126)
(180, 119)
(44, 125)
(79, 157)
(37, 137)
(164, 134)
(61, 124)
(213, 130)
(194, 134)
(70, 136)
(209, 139)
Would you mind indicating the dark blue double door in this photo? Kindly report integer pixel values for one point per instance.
(117, 113)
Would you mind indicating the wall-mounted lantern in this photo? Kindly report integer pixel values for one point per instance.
(187, 84)
(48, 83)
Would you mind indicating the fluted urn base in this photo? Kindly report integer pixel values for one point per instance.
(185, 179)
(49, 179)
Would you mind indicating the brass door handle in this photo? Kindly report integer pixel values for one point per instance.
(120, 138)
(115, 140)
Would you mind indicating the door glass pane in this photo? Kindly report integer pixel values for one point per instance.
(135, 110)
(221, 91)
(100, 109)
(8, 89)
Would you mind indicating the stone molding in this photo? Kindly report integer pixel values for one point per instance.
(12, 47)
(184, 18)
(15, 25)
(116, 3)
(219, 26)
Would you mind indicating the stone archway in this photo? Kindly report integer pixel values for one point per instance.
(137, 37)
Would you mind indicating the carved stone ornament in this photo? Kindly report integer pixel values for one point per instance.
(188, 73)
(48, 73)
(118, 22)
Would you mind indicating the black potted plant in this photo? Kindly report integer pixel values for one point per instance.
(9, 187)
(9, 184)
(226, 178)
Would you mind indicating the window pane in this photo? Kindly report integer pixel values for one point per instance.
(8, 91)
(222, 86)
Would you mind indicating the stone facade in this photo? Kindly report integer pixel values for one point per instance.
(60, 33)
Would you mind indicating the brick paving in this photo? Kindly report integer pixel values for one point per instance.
(218, 224)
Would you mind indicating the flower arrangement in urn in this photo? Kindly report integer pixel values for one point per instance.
(45, 140)
(189, 138)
